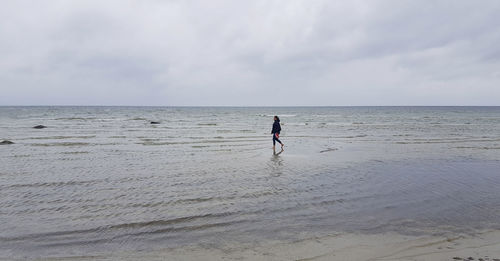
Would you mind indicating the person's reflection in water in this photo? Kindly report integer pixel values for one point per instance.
(276, 163)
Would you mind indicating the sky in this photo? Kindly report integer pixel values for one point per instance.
(250, 53)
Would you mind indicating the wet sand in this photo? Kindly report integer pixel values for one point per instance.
(389, 246)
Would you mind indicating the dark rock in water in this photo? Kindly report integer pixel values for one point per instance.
(40, 127)
(155, 122)
(328, 149)
(6, 142)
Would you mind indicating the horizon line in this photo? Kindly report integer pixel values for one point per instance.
(248, 106)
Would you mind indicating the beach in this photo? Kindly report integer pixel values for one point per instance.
(147, 130)
(181, 183)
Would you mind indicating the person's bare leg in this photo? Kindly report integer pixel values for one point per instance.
(282, 145)
(274, 147)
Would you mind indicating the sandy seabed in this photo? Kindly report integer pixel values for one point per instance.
(484, 246)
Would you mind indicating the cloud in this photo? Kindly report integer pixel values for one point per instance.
(250, 53)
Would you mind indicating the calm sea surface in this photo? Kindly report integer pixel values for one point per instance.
(101, 179)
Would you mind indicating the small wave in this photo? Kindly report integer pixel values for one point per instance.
(75, 118)
(62, 137)
(221, 150)
(164, 222)
(237, 145)
(438, 141)
(327, 202)
(190, 228)
(491, 148)
(237, 131)
(150, 139)
(312, 136)
(22, 156)
(279, 115)
(52, 184)
(478, 148)
(149, 143)
(137, 119)
(62, 144)
(354, 136)
(50, 234)
(207, 124)
(246, 137)
(67, 243)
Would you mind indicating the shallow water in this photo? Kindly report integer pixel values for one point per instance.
(102, 179)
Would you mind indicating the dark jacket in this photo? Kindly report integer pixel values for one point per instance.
(276, 127)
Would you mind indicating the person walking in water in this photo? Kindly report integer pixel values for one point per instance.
(276, 132)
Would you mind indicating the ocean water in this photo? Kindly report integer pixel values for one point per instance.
(104, 179)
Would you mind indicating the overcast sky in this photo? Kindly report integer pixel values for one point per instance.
(250, 52)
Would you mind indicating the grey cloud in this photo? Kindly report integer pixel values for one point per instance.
(250, 52)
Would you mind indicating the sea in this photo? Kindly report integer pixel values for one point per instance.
(98, 180)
